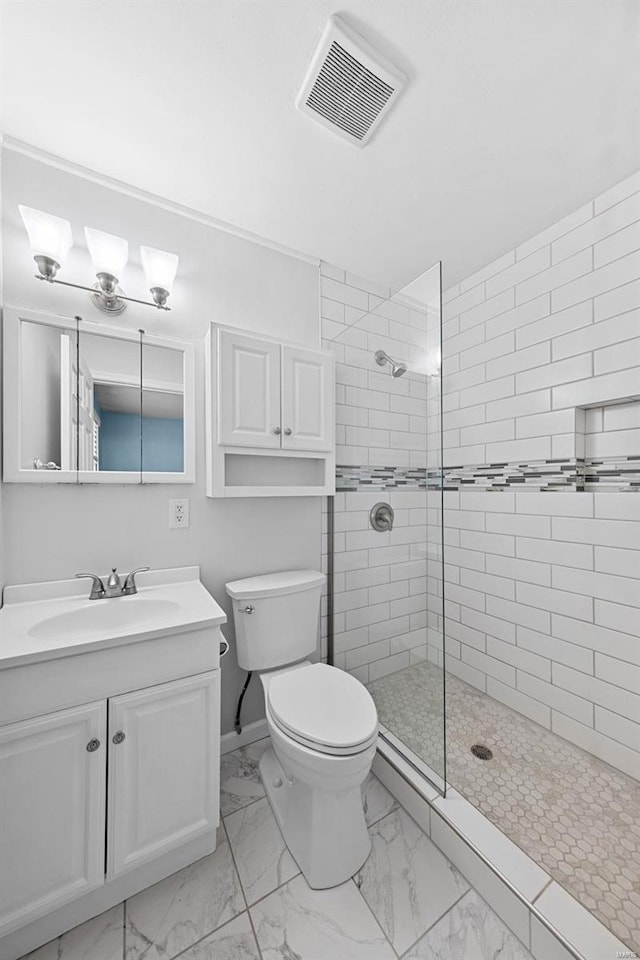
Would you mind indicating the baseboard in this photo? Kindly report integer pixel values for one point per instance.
(550, 922)
(250, 733)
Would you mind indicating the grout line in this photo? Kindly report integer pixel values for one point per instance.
(255, 934)
(370, 909)
(447, 911)
(547, 884)
(225, 816)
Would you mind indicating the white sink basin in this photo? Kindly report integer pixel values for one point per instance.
(104, 617)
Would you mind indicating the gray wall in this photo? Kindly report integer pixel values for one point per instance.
(50, 532)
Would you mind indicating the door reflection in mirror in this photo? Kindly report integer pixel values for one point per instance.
(47, 397)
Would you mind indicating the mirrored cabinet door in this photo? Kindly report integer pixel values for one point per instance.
(109, 408)
(168, 411)
(40, 400)
(162, 410)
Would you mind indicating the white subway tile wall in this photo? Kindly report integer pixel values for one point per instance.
(544, 587)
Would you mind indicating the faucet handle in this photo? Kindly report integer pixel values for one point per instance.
(130, 588)
(97, 586)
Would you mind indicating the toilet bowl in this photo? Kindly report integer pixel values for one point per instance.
(322, 724)
(315, 791)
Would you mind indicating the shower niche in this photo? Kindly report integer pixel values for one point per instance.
(270, 416)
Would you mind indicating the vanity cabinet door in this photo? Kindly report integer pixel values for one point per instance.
(249, 391)
(164, 755)
(307, 399)
(52, 810)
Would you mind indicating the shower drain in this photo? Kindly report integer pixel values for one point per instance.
(481, 752)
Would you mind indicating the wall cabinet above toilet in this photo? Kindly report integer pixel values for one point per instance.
(270, 417)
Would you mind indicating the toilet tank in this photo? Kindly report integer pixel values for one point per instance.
(276, 617)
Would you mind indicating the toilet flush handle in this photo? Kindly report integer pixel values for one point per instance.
(248, 609)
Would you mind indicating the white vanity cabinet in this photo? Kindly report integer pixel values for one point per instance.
(109, 747)
(163, 778)
(270, 417)
(53, 778)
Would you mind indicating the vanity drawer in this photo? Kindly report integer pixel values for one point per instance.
(45, 686)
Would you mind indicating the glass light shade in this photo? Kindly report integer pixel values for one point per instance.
(109, 253)
(49, 236)
(160, 267)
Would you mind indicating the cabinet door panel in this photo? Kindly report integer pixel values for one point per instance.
(52, 809)
(164, 774)
(249, 391)
(307, 399)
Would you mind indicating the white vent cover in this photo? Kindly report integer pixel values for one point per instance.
(349, 86)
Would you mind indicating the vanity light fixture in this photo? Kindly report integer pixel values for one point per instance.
(51, 239)
(160, 269)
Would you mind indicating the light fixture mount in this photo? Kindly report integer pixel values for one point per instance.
(108, 296)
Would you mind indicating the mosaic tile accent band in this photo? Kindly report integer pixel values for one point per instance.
(621, 474)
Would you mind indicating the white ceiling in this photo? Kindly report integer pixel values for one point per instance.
(516, 112)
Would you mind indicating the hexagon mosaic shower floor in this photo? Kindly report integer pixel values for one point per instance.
(576, 816)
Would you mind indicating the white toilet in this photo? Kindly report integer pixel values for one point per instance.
(322, 722)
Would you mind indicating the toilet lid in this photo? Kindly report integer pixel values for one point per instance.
(323, 705)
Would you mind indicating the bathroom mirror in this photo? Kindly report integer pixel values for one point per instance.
(109, 404)
(43, 409)
(88, 403)
(163, 447)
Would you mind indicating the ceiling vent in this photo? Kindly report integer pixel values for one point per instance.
(349, 86)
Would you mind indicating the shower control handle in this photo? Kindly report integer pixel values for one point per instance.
(381, 517)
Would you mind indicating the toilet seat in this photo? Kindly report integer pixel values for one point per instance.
(324, 709)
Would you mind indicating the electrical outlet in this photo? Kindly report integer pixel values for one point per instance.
(178, 513)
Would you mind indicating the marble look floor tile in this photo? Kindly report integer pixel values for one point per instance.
(377, 800)
(234, 941)
(240, 782)
(469, 931)
(406, 881)
(296, 922)
(261, 854)
(99, 937)
(172, 915)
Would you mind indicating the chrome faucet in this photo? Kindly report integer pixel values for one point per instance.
(114, 587)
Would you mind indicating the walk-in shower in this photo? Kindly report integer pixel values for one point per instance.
(521, 699)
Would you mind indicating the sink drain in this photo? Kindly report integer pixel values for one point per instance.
(481, 752)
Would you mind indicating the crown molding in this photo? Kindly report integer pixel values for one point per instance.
(35, 153)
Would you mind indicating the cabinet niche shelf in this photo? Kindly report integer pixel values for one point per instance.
(270, 417)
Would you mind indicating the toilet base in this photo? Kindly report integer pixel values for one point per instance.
(325, 830)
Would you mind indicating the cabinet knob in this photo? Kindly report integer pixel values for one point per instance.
(288, 432)
(118, 736)
(93, 745)
(277, 431)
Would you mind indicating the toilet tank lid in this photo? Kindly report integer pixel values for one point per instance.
(275, 584)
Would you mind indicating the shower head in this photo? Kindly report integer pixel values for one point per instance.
(398, 369)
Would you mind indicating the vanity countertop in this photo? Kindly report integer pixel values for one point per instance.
(46, 621)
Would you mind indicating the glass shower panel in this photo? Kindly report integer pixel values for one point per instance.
(387, 517)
